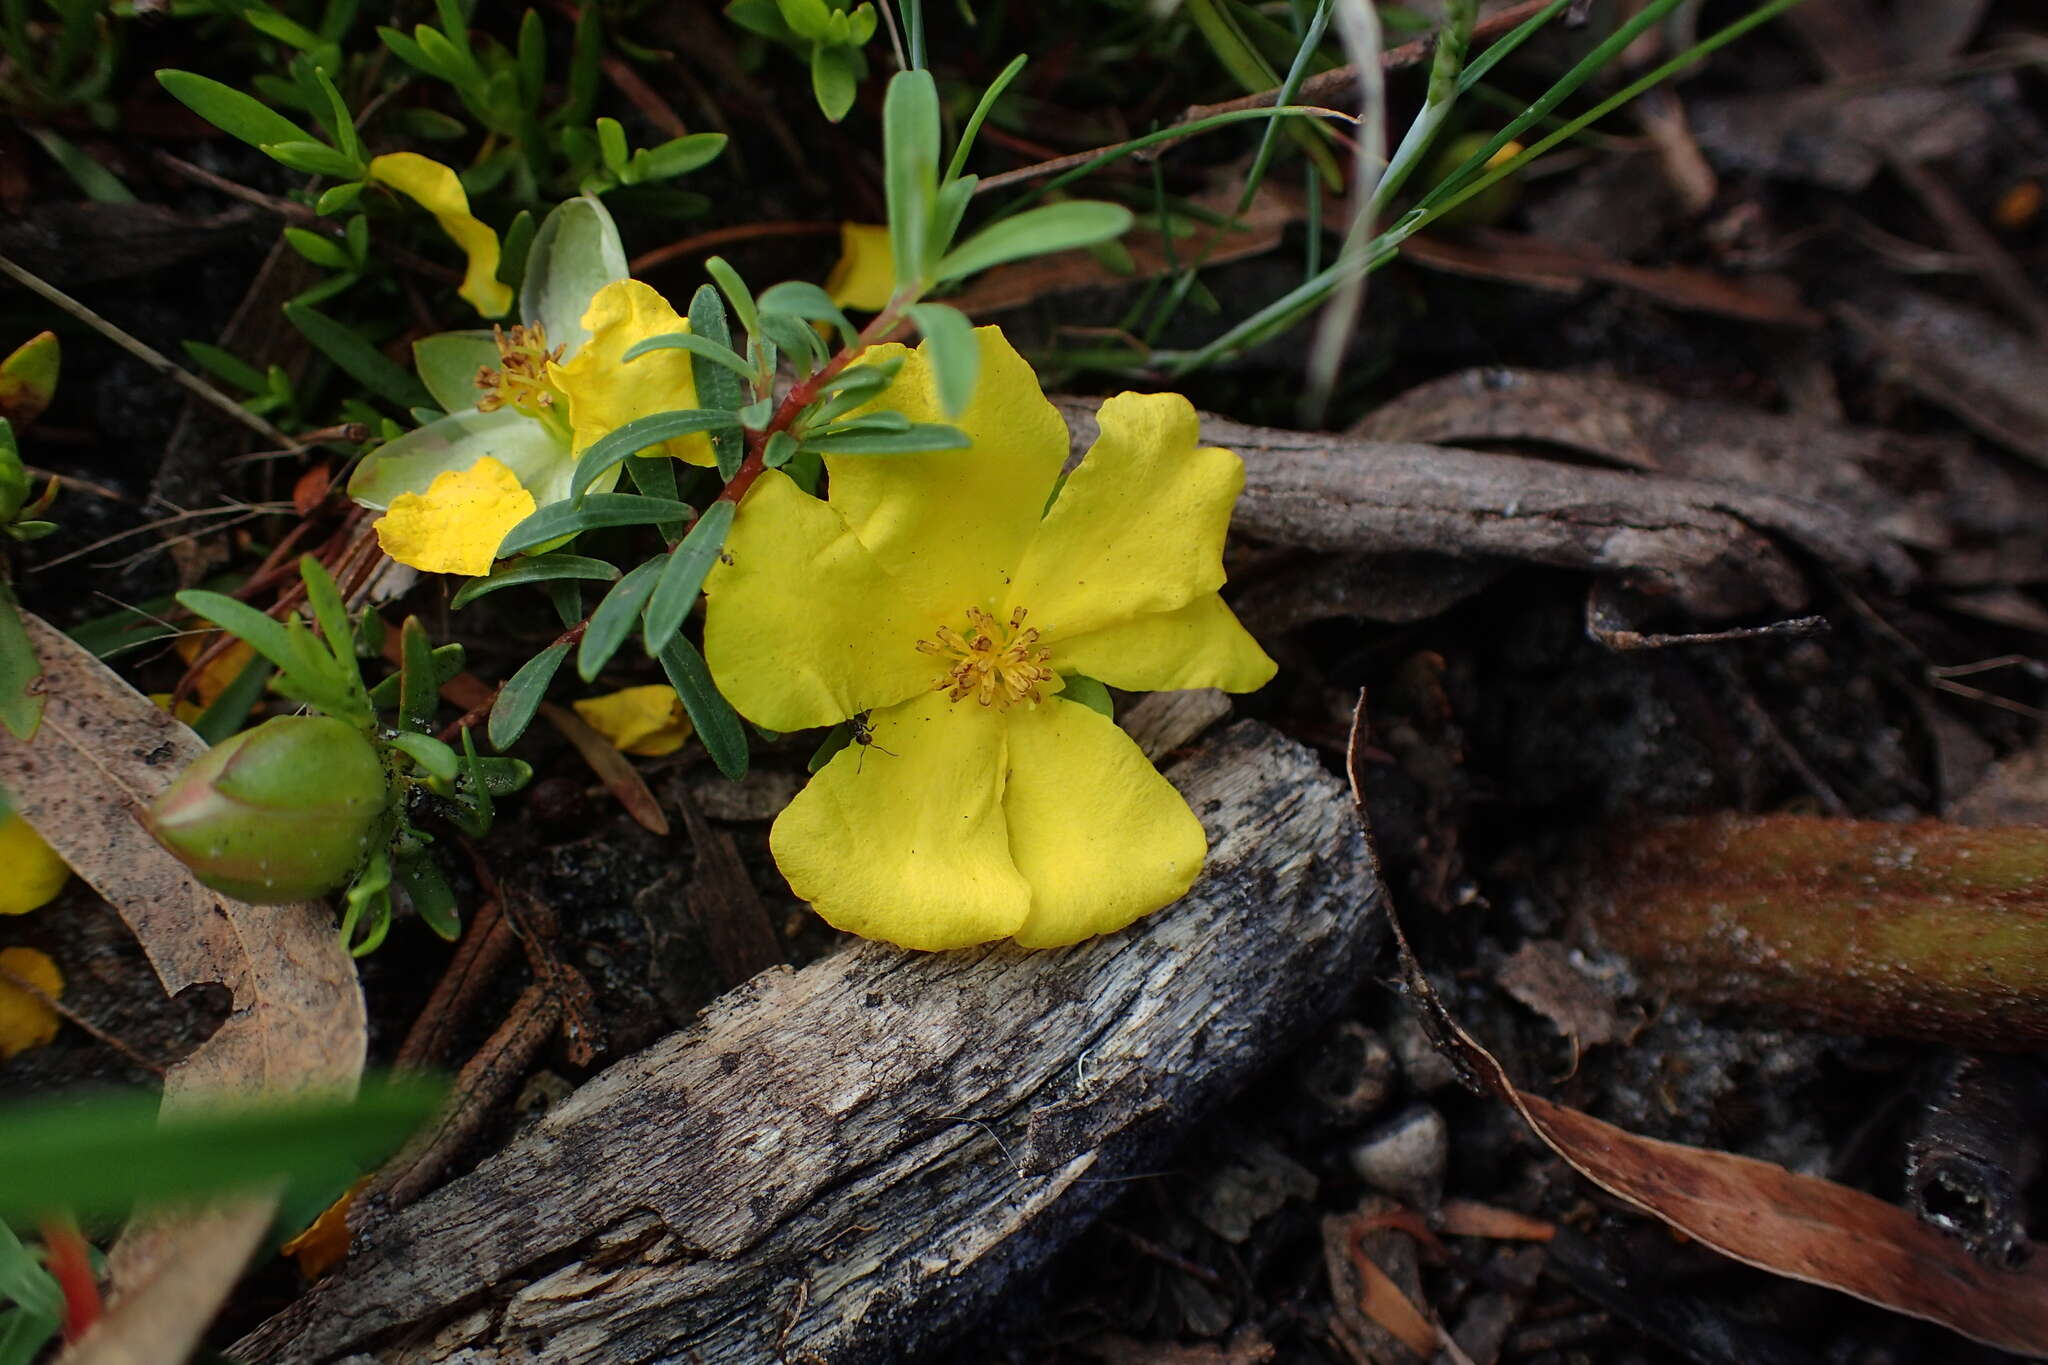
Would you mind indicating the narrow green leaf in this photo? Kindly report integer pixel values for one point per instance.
(413, 55)
(229, 711)
(428, 890)
(338, 198)
(910, 154)
(922, 439)
(520, 698)
(797, 339)
(637, 435)
(613, 620)
(611, 144)
(231, 111)
(340, 122)
(955, 354)
(1036, 232)
(314, 158)
(226, 365)
(948, 209)
(835, 79)
(419, 681)
(357, 358)
(780, 450)
(734, 288)
(295, 655)
(700, 348)
(515, 248)
(1089, 693)
(806, 300)
(677, 156)
(537, 569)
(717, 724)
(716, 388)
(23, 1279)
(683, 575)
(435, 759)
(96, 1157)
(559, 519)
(981, 112)
(332, 615)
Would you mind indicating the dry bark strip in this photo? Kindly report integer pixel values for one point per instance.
(851, 1162)
(1713, 549)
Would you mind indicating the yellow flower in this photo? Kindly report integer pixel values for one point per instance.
(26, 1020)
(930, 596)
(455, 526)
(647, 721)
(537, 412)
(35, 874)
(865, 275)
(439, 191)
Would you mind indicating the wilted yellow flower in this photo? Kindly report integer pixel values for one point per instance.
(439, 191)
(647, 721)
(33, 874)
(26, 1021)
(865, 275)
(938, 597)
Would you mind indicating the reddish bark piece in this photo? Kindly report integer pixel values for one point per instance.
(1763, 1215)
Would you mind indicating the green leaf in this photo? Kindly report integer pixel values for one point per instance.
(231, 111)
(314, 158)
(796, 337)
(949, 208)
(520, 698)
(910, 154)
(226, 365)
(763, 17)
(716, 388)
(357, 358)
(1089, 693)
(1036, 232)
(537, 569)
(22, 1277)
(955, 354)
(638, 435)
(340, 122)
(921, 439)
(837, 738)
(428, 890)
(100, 185)
(576, 252)
(413, 55)
(332, 614)
(308, 670)
(229, 711)
(435, 759)
(447, 363)
(677, 156)
(981, 112)
(95, 1157)
(613, 620)
(21, 710)
(718, 726)
(611, 144)
(780, 450)
(419, 677)
(700, 348)
(559, 519)
(734, 288)
(683, 576)
(806, 300)
(339, 198)
(515, 247)
(835, 78)
(368, 904)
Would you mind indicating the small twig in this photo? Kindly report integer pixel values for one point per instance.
(726, 236)
(144, 352)
(244, 509)
(484, 948)
(98, 490)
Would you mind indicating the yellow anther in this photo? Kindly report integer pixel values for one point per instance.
(997, 665)
(520, 378)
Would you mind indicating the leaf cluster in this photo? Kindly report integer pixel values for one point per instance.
(830, 34)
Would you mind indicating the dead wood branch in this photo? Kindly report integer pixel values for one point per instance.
(852, 1162)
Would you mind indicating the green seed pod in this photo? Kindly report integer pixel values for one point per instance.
(284, 812)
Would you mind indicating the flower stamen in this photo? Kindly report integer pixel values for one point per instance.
(520, 378)
(995, 664)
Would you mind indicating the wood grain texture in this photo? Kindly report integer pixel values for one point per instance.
(851, 1162)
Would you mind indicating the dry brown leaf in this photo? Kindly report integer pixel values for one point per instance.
(104, 751)
(1542, 976)
(1761, 1214)
(1975, 364)
(1469, 1218)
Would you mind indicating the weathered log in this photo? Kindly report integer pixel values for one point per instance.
(1715, 549)
(851, 1162)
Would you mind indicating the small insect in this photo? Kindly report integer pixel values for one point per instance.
(725, 558)
(864, 735)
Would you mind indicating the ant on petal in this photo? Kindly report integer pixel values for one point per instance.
(864, 735)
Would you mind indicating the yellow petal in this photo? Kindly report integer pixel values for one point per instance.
(34, 873)
(904, 839)
(1101, 837)
(439, 191)
(803, 627)
(647, 721)
(606, 391)
(1139, 526)
(1198, 645)
(25, 1020)
(865, 275)
(325, 1241)
(457, 524)
(956, 522)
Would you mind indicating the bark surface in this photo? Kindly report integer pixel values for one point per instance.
(855, 1161)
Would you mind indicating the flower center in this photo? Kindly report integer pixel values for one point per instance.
(997, 665)
(520, 379)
